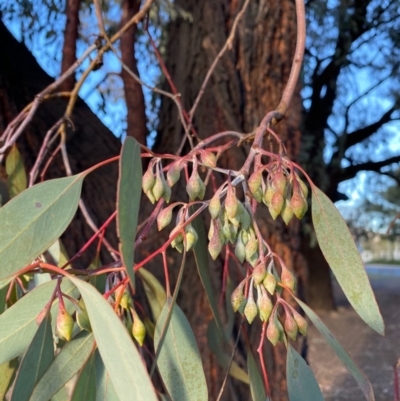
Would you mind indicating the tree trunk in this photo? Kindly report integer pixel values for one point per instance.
(247, 83)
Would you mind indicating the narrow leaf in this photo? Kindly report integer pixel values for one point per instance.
(7, 371)
(116, 348)
(201, 256)
(219, 347)
(18, 323)
(85, 387)
(3, 295)
(301, 382)
(179, 361)
(36, 360)
(256, 384)
(154, 291)
(17, 180)
(128, 201)
(62, 394)
(104, 388)
(341, 253)
(342, 354)
(33, 220)
(67, 364)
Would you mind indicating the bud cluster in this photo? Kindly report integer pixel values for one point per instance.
(283, 192)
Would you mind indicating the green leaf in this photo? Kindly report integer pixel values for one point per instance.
(85, 387)
(18, 323)
(341, 253)
(66, 365)
(128, 201)
(342, 354)
(301, 382)
(33, 220)
(154, 291)
(201, 256)
(36, 360)
(61, 395)
(179, 361)
(17, 180)
(3, 303)
(256, 384)
(116, 347)
(219, 347)
(7, 371)
(104, 388)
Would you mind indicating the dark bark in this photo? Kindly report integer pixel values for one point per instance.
(136, 118)
(21, 78)
(247, 83)
(70, 38)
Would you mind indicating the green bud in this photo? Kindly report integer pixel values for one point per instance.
(253, 259)
(259, 273)
(237, 297)
(150, 195)
(251, 246)
(298, 204)
(288, 279)
(273, 332)
(231, 202)
(82, 317)
(234, 233)
(290, 325)
(301, 322)
(138, 328)
(191, 237)
(167, 192)
(214, 207)
(164, 218)
(226, 229)
(279, 182)
(64, 325)
(158, 189)
(125, 298)
(254, 181)
(264, 304)
(195, 186)
(303, 186)
(208, 159)
(268, 194)
(216, 243)
(287, 212)
(173, 174)
(148, 179)
(240, 249)
(250, 310)
(276, 205)
(177, 242)
(270, 283)
(245, 218)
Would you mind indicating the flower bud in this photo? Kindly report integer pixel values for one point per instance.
(150, 195)
(208, 159)
(173, 174)
(273, 332)
(191, 237)
(303, 186)
(226, 229)
(259, 273)
(253, 259)
(269, 283)
(298, 204)
(167, 192)
(288, 279)
(287, 212)
(164, 218)
(264, 304)
(268, 194)
(82, 317)
(125, 298)
(177, 242)
(277, 202)
(245, 218)
(237, 297)
(290, 325)
(138, 328)
(250, 310)
(214, 207)
(301, 322)
(216, 243)
(158, 189)
(254, 181)
(251, 246)
(195, 186)
(258, 195)
(279, 182)
(231, 202)
(240, 249)
(234, 233)
(64, 324)
(148, 179)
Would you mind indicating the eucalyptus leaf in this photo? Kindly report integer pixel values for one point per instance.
(118, 352)
(179, 361)
(128, 201)
(342, 354)
(7, 371)
(105, 390)
(17, 180)
(67, 364)
(341, 253)
(35, 362)
(33, 220)
(85, 386)
(256, 383)
(301, 382)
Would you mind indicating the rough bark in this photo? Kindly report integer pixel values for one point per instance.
(136, 118)
(70, 38)
(247, 83)
(90, 142)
